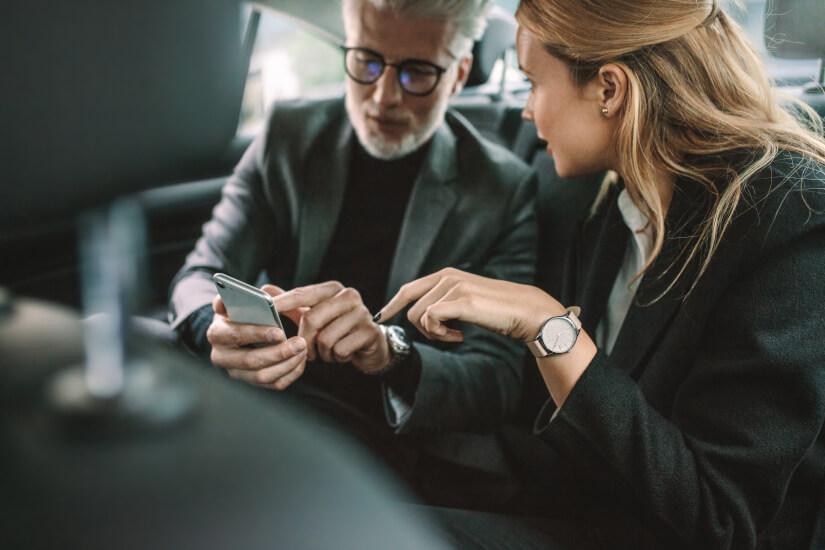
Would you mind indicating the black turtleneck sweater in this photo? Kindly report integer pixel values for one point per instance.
(359, 256)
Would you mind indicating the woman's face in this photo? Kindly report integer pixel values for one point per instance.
(568, 117)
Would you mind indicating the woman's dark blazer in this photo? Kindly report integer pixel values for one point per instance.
(704, 424)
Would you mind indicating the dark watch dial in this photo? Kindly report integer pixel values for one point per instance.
(397, 338)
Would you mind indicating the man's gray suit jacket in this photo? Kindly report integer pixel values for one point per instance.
(471, 207)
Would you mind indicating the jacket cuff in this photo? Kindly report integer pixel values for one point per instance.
(399, 386)
(192, 331)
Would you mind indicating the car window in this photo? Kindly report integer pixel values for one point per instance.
(287, 62)
(508, 5)
(290, 61)
(750, 14)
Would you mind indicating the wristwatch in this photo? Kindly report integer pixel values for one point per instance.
(399, 345)
(557, 334)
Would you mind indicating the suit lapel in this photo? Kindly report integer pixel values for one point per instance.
(646, 322)
(603, 248)
(430, 202)
(323, 193)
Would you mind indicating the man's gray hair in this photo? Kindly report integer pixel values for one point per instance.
(469, 16)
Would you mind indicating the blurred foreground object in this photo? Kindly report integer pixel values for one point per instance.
(240, 472)
(101, 98)
(126, 444)
(139, 447)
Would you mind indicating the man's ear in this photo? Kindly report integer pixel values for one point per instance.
(463, 73)
(611, 88)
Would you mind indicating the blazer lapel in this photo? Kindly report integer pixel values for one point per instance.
(430, 202)
(603, 247)
(323, 194)
(647, 322)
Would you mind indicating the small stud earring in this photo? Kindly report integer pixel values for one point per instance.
(604, 111)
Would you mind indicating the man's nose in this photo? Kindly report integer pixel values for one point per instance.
(387, 88)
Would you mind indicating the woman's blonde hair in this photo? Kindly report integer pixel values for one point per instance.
(696, 88)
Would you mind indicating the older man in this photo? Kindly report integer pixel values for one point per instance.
(341, 202)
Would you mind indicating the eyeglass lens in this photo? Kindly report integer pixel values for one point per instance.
(415, 77)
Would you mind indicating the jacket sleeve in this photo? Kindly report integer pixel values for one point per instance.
(234, 240)
(714, 464)
(477, 384)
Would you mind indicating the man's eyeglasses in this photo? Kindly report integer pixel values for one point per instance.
(416, 76)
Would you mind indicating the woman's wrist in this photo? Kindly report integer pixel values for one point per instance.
(540, 312)
(562, 371)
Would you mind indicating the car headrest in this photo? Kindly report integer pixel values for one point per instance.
(105, 98)
(499, 36)
(795, 29)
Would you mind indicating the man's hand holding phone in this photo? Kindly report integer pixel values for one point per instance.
(333, 325)
(236, 346)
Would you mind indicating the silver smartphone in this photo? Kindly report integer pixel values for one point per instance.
(245, 303)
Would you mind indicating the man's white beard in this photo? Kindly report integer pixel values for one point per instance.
(410, 142)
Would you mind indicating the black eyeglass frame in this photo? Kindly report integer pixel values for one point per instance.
(439, 70)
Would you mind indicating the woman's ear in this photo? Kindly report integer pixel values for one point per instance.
(612, 88)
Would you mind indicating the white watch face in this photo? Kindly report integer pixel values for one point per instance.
(558, 335)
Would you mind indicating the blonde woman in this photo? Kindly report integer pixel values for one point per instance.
(687, 386)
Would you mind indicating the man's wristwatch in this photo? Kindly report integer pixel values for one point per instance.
(399, 345)
(557, 334)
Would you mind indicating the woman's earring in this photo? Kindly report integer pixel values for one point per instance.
(604, 111)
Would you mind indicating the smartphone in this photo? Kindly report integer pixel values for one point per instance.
(245, 303)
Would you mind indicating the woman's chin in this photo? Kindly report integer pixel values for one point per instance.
(563, 169)
(567, 171)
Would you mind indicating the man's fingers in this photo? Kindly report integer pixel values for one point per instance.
(355, 321)
(335, 317)
(257, 358)
(354, 342)
(295, 315)
(223, 332)
(217, 305)
(286, 380)
(273, 290)
(278, 376)
(307, 296)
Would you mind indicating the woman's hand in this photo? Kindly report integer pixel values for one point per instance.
(511, 309)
